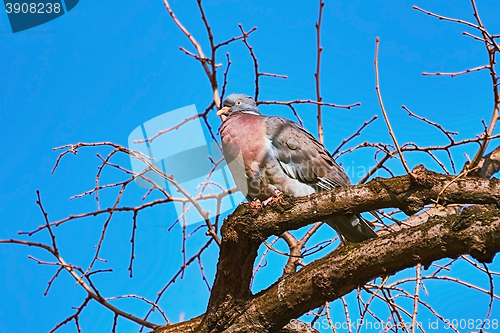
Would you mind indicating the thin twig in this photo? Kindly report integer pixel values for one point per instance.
(319, 49)
(357, 133)
(329, 318)
(377, 88)
(309, 101)
(469, 70)
(416, 297)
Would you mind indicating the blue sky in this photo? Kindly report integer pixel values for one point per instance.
(99, 71)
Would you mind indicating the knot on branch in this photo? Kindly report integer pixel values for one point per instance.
(480, 249)
(424, 177)
(412, 204)
(322, 281)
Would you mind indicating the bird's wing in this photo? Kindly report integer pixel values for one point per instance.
(301, 156)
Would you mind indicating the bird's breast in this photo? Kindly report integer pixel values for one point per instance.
(247, 153)
(246, 134)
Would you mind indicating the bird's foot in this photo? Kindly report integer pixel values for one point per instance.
(255, 206)
(275, 198)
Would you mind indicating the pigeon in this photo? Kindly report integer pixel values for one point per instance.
(270, 155)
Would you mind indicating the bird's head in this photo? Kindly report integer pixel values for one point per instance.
(238, 103)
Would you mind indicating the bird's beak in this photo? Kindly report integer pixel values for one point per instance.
(223, 111)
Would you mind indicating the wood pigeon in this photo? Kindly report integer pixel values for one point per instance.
(268, 155)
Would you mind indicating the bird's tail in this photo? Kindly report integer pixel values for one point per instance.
(353, 227)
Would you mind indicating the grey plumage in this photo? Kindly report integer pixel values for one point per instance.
(271, 154)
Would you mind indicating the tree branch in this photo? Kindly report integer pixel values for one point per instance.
(475, 231)
(232, 307)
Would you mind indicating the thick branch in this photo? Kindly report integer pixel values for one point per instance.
(398, 192)
(231, 301)
(244, 230)
(473, 231)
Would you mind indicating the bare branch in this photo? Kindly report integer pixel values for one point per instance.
(309, 101)
(233, 39)
(469, 70)
(257, 73)
(357, 133)
(319, 49)
(377, 88)
(90, 291)
(416, 298)
(438, 126)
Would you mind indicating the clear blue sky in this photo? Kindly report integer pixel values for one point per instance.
(106, 67)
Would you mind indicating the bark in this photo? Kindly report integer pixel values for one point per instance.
(473, 232)
(489, 164)
(232, 307)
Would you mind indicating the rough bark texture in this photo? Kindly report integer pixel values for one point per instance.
(473, 232)
(232, 307)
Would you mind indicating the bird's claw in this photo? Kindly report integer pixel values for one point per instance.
(275, 198)
(256, 204)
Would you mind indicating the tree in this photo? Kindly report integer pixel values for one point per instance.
(424, 216)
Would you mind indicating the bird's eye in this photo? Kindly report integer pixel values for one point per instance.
(238, 103)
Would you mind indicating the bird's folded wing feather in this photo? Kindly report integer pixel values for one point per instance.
(301, 156)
